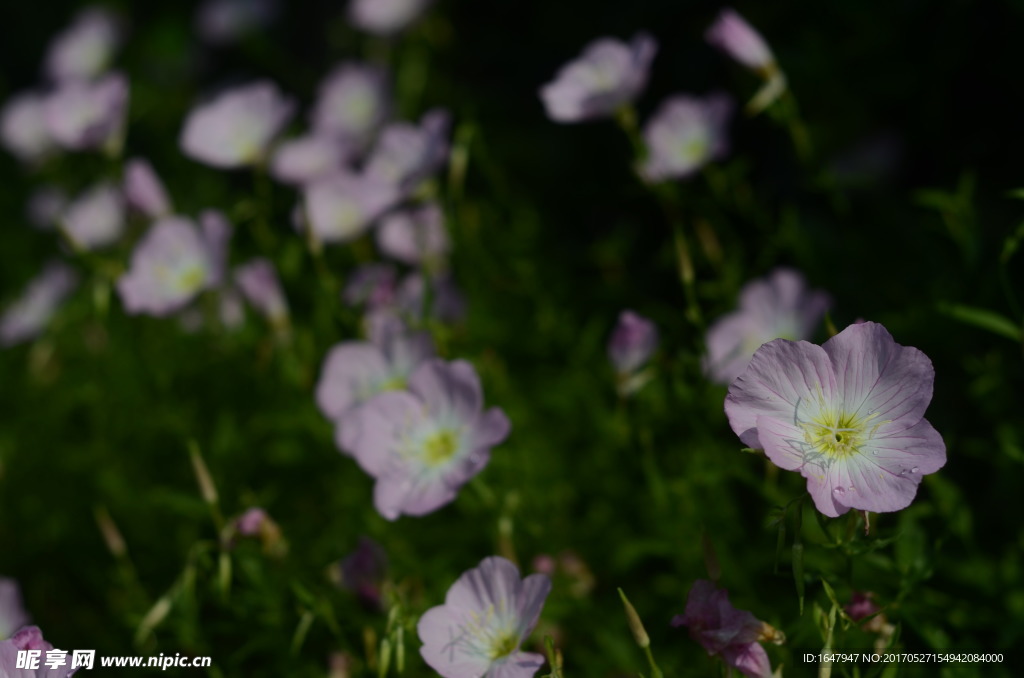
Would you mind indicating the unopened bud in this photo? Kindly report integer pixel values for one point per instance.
(635, 625)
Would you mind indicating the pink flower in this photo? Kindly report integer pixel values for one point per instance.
(487, 615)
(632, 342)
(249, 523)
(96, 218)
(23, 128)
(684, 134)
(84, 49)
(341, 207)
(732, 34)
(777, 306)
(608, 75)
(423, 444)
(303, 160)
(406, 155)
(235, 128)
(86, 115)
(30, 314)
(170, 266)
(385, 17)
(861, 606)
(352, 103)
(261, 287)
(723, 630)
(355, 371)
(848, 415)
(143, 189)
(415, 236)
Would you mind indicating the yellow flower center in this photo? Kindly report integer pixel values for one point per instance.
(440, 447)
(833, 432)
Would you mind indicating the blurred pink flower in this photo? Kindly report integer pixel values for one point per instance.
(861, 606)
(236, 127)
(385, 17)
(406, 155)
(169, 267)
(85, 48)
(608, 75)
(732, 34)
(217, 233)
(85, 115)
(143, 189)
(355, 371)
(424, 443)
(251, 522)
(779, 305)
(684, 134)
(632, 342)
(341, 207)
(415, 236)
(23, 128)
(29, 315)
(352, 103)
(95, 218)
(258, 281)
(305, 159)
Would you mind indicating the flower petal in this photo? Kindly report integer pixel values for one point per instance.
(750, 658)
(440, 629)
(448, 388)
(348, 377)
(885, 478)
(783, 377)
(518, 665)
(372, 432)
(874, 374)
(403, 492)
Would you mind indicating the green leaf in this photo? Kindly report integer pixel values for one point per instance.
(983, 318)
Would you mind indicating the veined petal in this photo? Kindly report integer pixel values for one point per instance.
(783, 442)
(751, 659)
(875, 375)
(783, 378)
(441, 630)
(535, 590)
(518, 665)
(885, 475)
(492, 585)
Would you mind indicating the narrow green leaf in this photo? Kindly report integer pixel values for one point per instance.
(983, 318)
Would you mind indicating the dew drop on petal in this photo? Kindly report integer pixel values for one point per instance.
(914, 470)
(840, 490)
